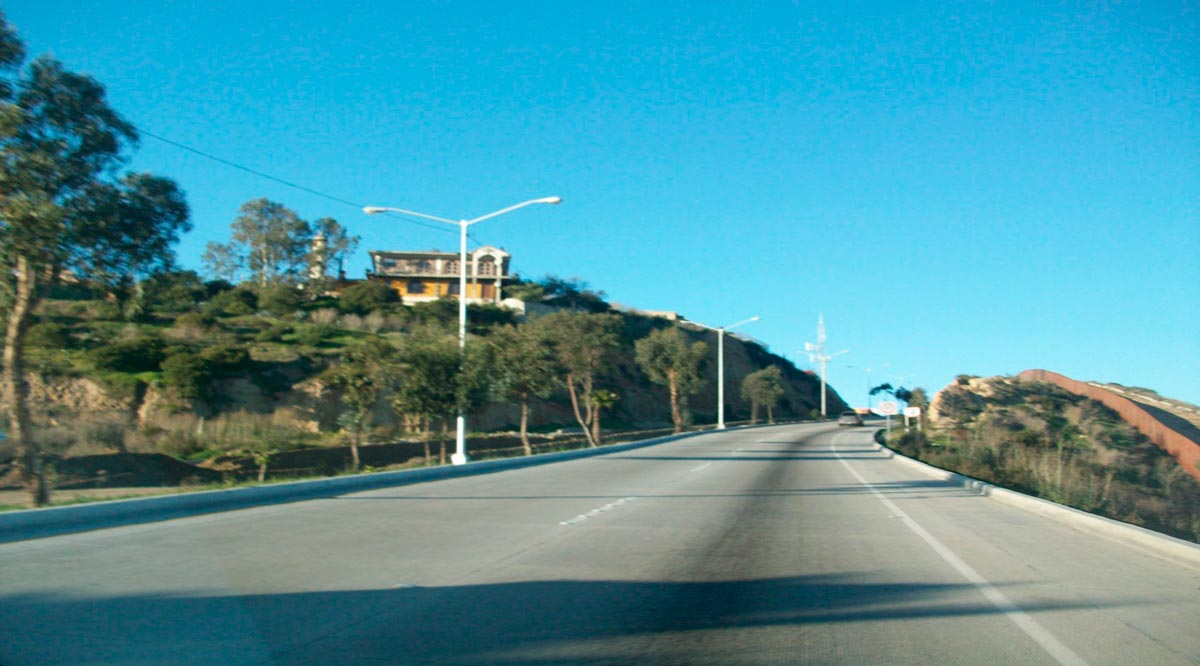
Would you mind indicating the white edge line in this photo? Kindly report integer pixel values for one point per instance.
(1055, 648)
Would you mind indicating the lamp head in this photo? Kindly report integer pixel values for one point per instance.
(372, 210)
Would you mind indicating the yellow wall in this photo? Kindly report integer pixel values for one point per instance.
(440, 289)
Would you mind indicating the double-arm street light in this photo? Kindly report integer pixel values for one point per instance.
(721, 365)
(460, 455)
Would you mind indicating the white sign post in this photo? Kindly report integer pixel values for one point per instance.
(912, 413)
(889, 409)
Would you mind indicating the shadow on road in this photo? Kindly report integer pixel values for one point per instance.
(545, 621)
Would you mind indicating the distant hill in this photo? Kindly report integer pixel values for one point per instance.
(101, 384)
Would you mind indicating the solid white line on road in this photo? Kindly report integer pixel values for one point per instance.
(595, 512)
(1061, 653)
(697, 469)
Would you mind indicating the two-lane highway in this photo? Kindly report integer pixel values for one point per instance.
(781, 545)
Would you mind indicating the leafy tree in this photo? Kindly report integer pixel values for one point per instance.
(883, 388)
(583, 345)
(366, 297)
(572, 293)
(428, 388)
(530, 292)
(223, 262)
(365, 372)
(524, 367)
(269, 239)
(605, 400)
(763, 388)
(63, 207)
(667, 359)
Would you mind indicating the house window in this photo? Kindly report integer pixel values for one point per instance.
(424, 267)
(487, 267)
(415, 287)
(453, 289)
(451, 268)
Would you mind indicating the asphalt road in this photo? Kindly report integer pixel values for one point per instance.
(784, 545)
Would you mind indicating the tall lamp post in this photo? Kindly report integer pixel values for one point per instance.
(721, 365)
(869, 387)
(460, 455)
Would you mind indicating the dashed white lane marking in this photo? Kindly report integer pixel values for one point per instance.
(1061, 653)
(697, 469)
(595, 512)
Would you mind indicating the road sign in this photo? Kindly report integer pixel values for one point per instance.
(912, 412)
(888, 408)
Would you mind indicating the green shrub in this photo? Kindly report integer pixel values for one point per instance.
(235, 302)
(226, 357)
(48, 335)
(279, 300)
(187, 374)
(366, 297)
(142, 354)
(172, 292)
(273, 333)
(314, 334)
(195, 321)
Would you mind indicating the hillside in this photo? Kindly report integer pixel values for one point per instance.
(1039, 438)
(234, 374)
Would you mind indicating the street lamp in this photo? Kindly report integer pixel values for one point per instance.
(869, 387)
(460, 455)
(721, 365)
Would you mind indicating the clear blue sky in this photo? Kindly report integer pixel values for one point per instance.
(959, 187)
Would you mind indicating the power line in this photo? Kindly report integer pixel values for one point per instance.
(281, 181)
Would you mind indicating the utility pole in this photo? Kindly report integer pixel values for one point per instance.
(816, 353)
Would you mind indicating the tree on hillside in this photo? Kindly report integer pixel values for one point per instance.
(428, 387)
(886, 387)
(763, 388)
(365, 372)
(269, 240)
(63, 208)
(524, 367)
(668, 360)
(583, 345)
(572, 293)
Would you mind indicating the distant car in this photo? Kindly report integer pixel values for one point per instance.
(850, 419)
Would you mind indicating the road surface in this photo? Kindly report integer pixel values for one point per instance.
(781, 545)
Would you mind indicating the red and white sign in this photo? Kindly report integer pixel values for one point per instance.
(888, 408)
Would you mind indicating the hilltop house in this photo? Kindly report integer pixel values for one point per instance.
(428, 276)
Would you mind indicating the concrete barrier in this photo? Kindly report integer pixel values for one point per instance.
(38, 523)
(1178, 550)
